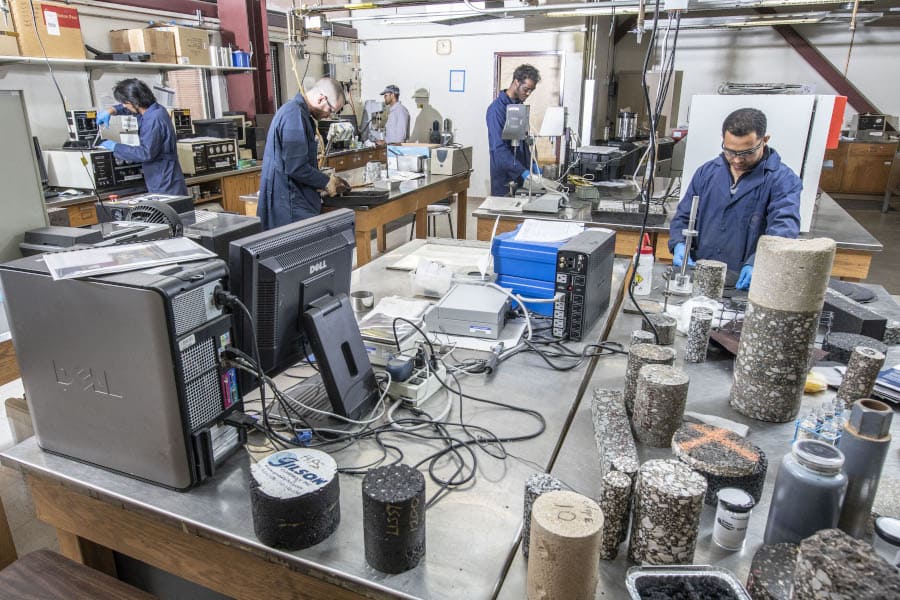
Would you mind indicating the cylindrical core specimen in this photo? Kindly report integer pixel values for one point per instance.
(772, 572)
(564, 562)
(639, 336)
(668, 499)
(615, 502)
(536, 485)
(786, 295)
(294, 498)
(641, 355)
(859, 379)
(709, 278)
(665, 327)
(659, 404)
(612, 433)
(698, 335)
(394, 518)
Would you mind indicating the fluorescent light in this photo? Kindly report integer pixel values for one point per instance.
(596, 12)
(771, 22)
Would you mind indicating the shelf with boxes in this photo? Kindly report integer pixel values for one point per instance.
(109, 65)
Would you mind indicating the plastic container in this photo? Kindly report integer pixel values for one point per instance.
(530, 288)
(732, 515)
(643, 279)
(887, 539)
(531, 260)
(809, 490)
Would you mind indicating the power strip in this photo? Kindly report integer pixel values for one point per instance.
(420, 386)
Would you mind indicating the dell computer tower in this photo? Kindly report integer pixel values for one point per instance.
(124, 371)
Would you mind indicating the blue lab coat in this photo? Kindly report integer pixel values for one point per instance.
(731, 218)
(507, 164)
(290, 174)
(157, 153)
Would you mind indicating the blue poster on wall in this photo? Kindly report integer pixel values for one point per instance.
(457, 80)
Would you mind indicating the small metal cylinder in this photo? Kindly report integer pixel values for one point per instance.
(864, 442)
(639, 336)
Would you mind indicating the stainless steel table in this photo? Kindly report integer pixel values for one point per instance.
(577, 464)
(205, 535)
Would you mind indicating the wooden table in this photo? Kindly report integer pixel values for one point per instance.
(413, 197)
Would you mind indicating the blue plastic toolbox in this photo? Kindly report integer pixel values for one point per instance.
(530, 288)
(532, 260)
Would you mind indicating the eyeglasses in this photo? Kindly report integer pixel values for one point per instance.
(330, 106)
(742, 153)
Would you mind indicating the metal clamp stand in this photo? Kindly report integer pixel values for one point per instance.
(682, 285)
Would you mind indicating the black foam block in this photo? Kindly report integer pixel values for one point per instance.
(853, 317)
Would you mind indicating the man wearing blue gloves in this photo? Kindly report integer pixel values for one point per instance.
(746, 192)
(157, 153)
(508, 163)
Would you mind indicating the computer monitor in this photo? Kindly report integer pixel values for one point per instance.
(42, 166)
(295, 281)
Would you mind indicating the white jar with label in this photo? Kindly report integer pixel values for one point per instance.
(887, 539)
(732, 516)
(643, 278)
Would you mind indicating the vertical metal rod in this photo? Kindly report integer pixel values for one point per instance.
(689, 234)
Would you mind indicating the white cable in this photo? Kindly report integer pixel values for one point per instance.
(517, 299)
(446, 411)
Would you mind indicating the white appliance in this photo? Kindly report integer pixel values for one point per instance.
(798, 126)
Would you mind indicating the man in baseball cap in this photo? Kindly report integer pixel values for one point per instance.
(396, 130)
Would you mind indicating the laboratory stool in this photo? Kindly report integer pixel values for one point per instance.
(49, 576)
(433, 212)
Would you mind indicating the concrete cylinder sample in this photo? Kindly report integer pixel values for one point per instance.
(665, 326)
(833, 565)
(564, 562)
(723, 457)
(659, 404)
(864, 442)
(862, 371)
(393, 500)
(698, 335)
(612, 433)
(709, 278)
(786, 295)
(668, 499)
(639, 336)
(536, 485)
(772, 572)
(641, 355)
(615, 502)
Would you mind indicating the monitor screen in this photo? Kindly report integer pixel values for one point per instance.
(278, 273)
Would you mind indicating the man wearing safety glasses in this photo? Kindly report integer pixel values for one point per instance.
(745, 192)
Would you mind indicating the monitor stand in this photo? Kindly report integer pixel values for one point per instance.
(310, 392)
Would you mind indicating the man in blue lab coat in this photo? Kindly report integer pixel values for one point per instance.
(746, 192)
(290, 181)
(508, 163)
(157, 152)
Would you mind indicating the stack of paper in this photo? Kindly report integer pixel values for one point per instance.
(887, 386)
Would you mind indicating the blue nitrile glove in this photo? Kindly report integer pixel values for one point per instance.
(743, 282)
(678, 256)
(525, 175)
(103, 118)
(108, 145)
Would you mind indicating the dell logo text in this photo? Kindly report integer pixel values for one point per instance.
(316, 267)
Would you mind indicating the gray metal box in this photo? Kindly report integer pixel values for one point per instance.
(471, 310)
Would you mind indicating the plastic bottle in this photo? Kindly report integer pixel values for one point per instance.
(809, 490)
(643, 279)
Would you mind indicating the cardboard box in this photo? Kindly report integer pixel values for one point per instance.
(9, 42)
(191, 45)
(160, 44)
(57, 24)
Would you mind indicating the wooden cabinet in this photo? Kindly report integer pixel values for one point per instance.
(355, 159)
(858, 168)
(235, 186)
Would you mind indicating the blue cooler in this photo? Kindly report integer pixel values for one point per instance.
(530, 260)
(530, 288)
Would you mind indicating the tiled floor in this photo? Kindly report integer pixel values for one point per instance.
(30, 534)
